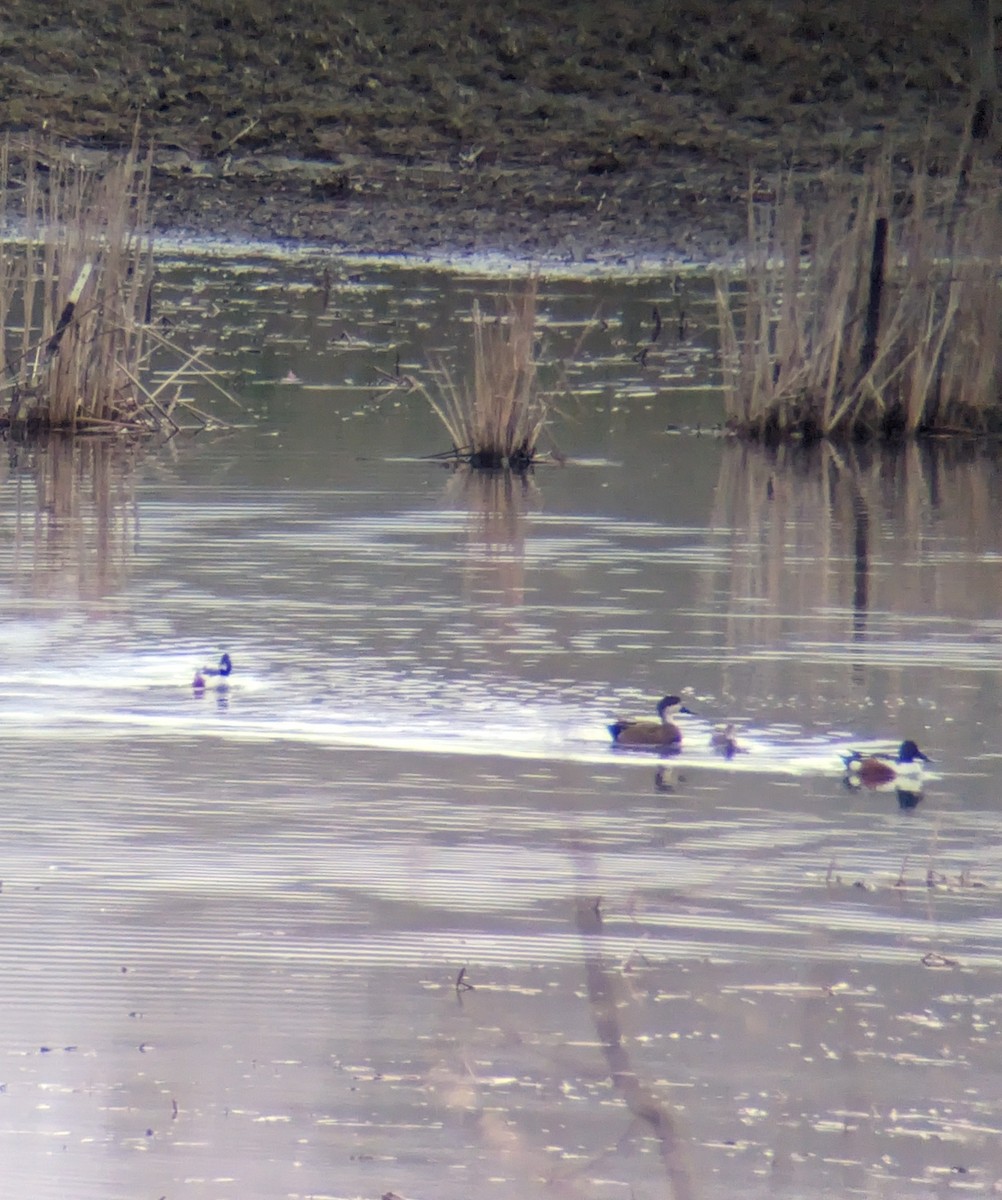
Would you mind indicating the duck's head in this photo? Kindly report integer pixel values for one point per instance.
(225, 666)
(669, 706)
(910, 753)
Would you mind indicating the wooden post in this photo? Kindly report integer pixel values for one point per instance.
(985, 74)
(872, 330)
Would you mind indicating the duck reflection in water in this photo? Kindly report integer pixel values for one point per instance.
(908, 797)
(667, 779)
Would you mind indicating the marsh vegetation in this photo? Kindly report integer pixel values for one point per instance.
(867, 308)
(77, 331)
(495, 418)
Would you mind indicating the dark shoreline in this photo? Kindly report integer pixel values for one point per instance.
(595, 132)
(667, 217)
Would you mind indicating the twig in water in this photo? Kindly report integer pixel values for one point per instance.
(236, 137)
(461, 984)
(932, 959)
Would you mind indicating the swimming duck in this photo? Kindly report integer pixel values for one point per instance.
(874, 769)
(213, 677)
(724, 740)
(644, 733)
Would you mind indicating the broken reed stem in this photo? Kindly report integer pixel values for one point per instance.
(889, 326)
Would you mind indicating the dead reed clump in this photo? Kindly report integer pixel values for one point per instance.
(867, 313)
(496, 422)
(76, 277)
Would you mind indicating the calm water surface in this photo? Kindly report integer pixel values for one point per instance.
(231, 927)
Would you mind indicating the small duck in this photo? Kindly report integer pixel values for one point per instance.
(644, 733)
(872, 770)
(213, 677)
(724, 741)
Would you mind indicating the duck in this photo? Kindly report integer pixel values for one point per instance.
(213, 677)
(872, 770)
(724, 740)
(645, 733)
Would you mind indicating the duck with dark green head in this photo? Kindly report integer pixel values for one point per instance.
(646, 733)
(873, 770)
(213, 677)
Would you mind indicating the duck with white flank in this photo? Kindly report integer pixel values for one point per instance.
(213, 677)
(872, 770)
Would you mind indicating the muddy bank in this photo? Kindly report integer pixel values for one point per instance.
(606, 129)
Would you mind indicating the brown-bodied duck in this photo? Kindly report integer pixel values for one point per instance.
(646, 733)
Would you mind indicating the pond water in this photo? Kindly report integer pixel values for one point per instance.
(390, 915)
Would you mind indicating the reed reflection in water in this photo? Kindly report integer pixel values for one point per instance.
(886, 561)
(497, 503)
(76, 516)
